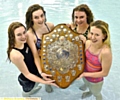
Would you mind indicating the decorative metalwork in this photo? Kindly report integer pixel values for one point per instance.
(73, 72)
(62, 55)
(67, 78)
(59, 78)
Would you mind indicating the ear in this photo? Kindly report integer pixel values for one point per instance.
(104, 36)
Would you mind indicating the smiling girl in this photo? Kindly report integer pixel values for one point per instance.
(20, 54)
(36, 26)
(98, 58)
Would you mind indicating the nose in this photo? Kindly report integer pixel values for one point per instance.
(23, 35)
(92, 36)
(40, 19)
(78, 19)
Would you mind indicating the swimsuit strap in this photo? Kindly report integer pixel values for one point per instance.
(100, 51)
(47, 27)
(75, 29)
(86, 32)
(90, 46)
(35, 33)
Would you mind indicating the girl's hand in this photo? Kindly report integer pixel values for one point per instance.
(80, 76)
(46, 76)
(68, 25)
(51, 82)
(83, 38)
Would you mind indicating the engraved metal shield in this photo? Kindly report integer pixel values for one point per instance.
(62, 55)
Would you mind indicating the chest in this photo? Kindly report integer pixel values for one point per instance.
(27, 54)
(94, 59)
(40, 33)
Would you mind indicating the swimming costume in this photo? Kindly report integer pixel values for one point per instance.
(39, 41)
(93, 65)
(85, 34)
(29, 61)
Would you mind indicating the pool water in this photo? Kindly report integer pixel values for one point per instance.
(59, 11)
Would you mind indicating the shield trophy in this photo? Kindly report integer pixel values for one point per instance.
(62, 55)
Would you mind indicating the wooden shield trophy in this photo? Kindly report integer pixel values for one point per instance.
(62, 55)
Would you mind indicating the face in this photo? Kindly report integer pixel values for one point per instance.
(20, 35)
(96, 35)
(80, 17)
(38, 17)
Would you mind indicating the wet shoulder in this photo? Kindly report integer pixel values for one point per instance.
(72, 26)
(87, 44)
(30, 35)
(30, 32)
(106, 50)
(15, 55)
(50, 25)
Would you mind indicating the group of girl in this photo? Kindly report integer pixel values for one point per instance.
(24, 44)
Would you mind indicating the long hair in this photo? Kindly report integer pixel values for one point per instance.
(31, 9)
(86, 9)
(11, 36)
(105, 30)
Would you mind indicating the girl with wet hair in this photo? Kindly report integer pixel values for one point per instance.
(36, 26)
(20, 54)
(98, 59)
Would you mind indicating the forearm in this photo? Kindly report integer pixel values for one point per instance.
(34, 78)
(94, 74)
(37, 62)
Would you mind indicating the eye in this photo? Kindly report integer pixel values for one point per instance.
(81, 16)
(91, 33)
(97, 34)
(76, 17)
(42, 15)
(36, 17)
(19, 34)
(24, 32)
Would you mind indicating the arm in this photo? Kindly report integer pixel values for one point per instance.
(106, 61)
(18, 59)
(31, 43)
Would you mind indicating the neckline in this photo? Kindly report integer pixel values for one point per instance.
(20, 48)
(75, 29)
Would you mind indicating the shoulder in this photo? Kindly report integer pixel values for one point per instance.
(30, 35)
(50, 25)
(29, 32)
(106, 51)
(72, 26)
(106, 56)
(87, 44)
(15, 55)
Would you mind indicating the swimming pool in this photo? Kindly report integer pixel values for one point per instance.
(59, 11)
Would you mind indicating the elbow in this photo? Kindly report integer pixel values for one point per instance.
(27, 75)
(105, 74)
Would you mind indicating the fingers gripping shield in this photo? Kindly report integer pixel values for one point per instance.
(62, 55)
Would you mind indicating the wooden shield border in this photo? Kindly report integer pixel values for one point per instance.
(62, 55)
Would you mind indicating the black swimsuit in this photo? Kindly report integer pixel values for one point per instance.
(85, 34)
(29, 61)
